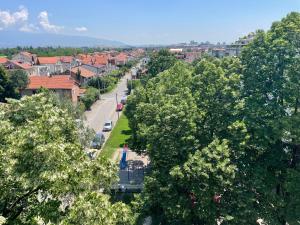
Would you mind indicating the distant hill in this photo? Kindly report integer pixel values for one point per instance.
(10, 39)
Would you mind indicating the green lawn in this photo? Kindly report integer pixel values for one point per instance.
(119, 135)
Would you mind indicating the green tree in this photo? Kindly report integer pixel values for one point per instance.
(11, 83)
(90, 96)
(19, 81)
(46, 176)
(160, 61)
(6, 89)
(271, 90)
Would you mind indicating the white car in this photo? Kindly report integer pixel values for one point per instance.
(108, 126)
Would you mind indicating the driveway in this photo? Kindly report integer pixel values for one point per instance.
(105, 108)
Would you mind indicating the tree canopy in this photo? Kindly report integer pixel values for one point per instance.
(11, 83)
(223, 134)
(46, 176)
(160, 61)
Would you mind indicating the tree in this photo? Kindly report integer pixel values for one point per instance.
(90, 96)
(216, 89)
(271, 92)
(11, 83)
(160, 62)
(5, 85)
(19, 81)
(223, 135)
(46, 176)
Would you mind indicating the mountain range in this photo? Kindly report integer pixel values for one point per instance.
(10, 39)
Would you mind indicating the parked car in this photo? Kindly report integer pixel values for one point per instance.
(108, 126)
(119, 107)
(98, 140)
(123, 100)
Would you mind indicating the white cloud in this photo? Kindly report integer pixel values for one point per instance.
(9, 19)
(28, 28)
(46, 25)
(81, 29)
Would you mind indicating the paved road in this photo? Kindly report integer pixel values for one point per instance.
(105, 108)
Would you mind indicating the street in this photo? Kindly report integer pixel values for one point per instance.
(105, 108)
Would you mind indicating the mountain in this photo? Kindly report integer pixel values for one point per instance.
(10, 39)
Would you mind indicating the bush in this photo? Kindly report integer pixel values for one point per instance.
(91, 95)
(105, 83)
(132, 84)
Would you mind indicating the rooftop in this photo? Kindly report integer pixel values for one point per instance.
(54, 82)
(3, 60)
(48, 60)
(83, 71)
(24, 66)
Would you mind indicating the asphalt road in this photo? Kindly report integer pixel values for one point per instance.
(105, 108)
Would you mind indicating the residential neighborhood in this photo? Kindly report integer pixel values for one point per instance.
(150, 112)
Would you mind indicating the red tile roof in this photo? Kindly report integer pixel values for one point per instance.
(3, 60)
(83, 71)
(66, 59)
(54, 82)
(24, 66)
(48, 60)
(101, 59)
(121, 57)
(96, 59)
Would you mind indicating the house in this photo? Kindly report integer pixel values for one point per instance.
(120, 59)
(94, 59)
(63, 85)
(53, 64)
(3, 60)
(81, 74)
(69, 62)
(17, 65)
(25, 57)
(192, 56)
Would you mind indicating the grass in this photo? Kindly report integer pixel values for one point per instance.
(118, 137)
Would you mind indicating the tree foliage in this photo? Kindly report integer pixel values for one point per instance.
(11, 83)
(46, 176)
(90, 96)
(160, 61)
(223, 135)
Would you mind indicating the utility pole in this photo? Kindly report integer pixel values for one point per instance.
(99, 87)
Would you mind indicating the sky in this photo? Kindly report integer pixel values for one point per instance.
(140, 22)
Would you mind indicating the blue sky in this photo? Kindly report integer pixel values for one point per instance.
(145, 21)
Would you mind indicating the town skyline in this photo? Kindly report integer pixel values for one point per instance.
(145, 23)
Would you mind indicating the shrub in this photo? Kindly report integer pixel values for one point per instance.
(90, 96)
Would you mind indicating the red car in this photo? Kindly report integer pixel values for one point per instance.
(120, 107)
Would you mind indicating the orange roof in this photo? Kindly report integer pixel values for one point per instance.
(101, 59)
(121, 57)
(24, 66)
(3, 60)
(48, 60)
(66, 59)
(95, 59)
(83, 71)
(54, 82)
